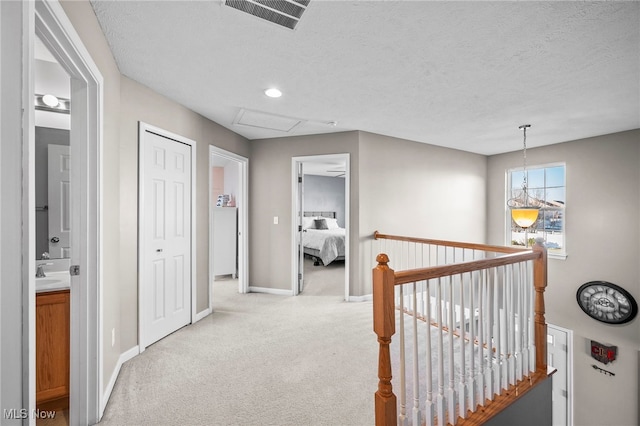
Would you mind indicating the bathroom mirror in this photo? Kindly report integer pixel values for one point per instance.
(52, 159)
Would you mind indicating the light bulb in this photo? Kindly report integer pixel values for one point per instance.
(50, 101)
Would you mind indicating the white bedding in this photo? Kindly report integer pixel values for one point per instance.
(329, 243)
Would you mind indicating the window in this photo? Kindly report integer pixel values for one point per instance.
(547, 190)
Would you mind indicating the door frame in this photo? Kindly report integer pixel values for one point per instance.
(569, 371)
(142, 247)
(47, 19)
(295, 161)
(243, 220)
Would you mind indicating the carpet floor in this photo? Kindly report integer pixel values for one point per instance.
(259, 359)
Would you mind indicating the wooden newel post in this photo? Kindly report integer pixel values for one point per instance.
(540, 283)
(384, 326)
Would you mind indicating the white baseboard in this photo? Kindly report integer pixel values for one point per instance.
(365, 298)
(124, 357)
(276, 291)
(202, 314)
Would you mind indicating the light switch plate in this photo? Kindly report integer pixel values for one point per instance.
(275, 220)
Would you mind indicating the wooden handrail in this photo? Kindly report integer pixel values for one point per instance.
(458, 244)
(413, 275)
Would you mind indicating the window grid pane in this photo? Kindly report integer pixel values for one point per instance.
(546, 189)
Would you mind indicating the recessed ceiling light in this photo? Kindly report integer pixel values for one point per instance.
(273, 93)
(50, 101)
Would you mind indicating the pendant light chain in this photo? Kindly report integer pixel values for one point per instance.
(524, 171)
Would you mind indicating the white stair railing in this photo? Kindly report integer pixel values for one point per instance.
(465, 319)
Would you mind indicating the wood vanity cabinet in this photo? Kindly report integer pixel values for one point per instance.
(52, 349)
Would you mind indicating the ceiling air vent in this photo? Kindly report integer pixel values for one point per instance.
(286, 13)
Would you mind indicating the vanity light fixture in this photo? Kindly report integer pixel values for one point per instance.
(50, 101)
(522, 213)
(273, 92)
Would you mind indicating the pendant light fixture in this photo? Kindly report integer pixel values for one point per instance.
(522, 213)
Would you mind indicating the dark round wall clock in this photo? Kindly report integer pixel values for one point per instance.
(607, 302)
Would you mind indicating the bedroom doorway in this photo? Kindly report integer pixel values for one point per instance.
(320, 225)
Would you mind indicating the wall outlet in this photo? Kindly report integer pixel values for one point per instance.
(113, 337)
(275, 220)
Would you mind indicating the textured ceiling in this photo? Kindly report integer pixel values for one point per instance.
(463, 75)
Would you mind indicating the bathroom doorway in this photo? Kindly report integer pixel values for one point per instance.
(81, 195)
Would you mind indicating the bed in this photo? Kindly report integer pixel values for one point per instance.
(322, 238)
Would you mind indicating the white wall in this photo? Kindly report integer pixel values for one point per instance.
(415, 189)
(11, 320)
(325, 193)
(603, 243)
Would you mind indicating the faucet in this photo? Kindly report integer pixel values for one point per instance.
(40, 271)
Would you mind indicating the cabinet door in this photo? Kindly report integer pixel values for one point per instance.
(52, 345)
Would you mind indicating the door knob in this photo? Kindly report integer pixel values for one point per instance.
(159, 250)
(55, 240)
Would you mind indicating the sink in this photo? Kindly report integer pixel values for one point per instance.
(53, 281)
(47, 281)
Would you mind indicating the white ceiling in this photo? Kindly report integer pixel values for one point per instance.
(463, 75)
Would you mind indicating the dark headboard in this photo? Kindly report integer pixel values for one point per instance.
(320, 214)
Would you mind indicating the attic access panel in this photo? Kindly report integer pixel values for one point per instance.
(285, 13)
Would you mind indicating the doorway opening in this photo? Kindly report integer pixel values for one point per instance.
(320, 225)
(560, 357)
(53, 229)
(228, 219)
(82, 196)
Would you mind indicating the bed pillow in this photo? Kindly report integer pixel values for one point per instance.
(332, 223)
(321, 224)
(308, 222)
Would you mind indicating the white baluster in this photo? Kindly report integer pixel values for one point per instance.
(402, 415)
(511, 329)
(451, 391)
(440, 399)
(489, 332)
(481, 396)
(462, 385)
(531, 317)
(429, 406)
(416, 377)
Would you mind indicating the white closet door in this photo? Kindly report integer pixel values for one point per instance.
(167, 233)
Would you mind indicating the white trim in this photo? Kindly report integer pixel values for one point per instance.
(202, 315)
(346, 157)
(28, 211)
(131, 353)
(142, 129)
(569, 334)
(242, 201)
(267, 290)
(56, 31)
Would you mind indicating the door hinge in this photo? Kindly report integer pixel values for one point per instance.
(74, 270)
(299, 179)
(299, 228)
(299, 277)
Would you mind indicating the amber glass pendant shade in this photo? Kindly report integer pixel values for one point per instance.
(524, 217)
